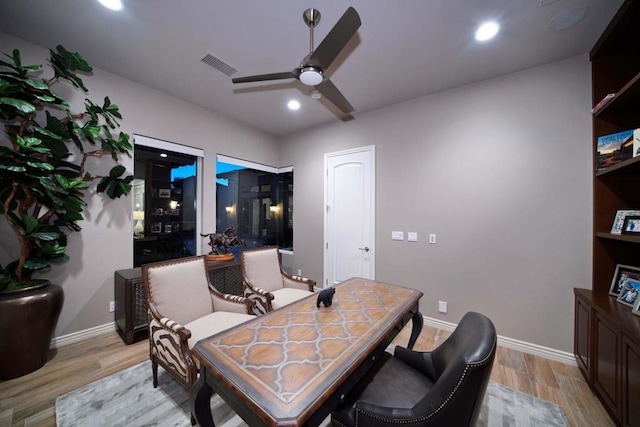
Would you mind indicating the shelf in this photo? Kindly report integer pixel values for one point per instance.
(625, 101)
(629, 166)
(621, 237)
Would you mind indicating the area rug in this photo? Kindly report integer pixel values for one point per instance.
(128, 398)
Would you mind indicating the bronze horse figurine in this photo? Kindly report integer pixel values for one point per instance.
(222, 243)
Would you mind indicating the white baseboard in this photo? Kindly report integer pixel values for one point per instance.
(82, 335)
(525, 347)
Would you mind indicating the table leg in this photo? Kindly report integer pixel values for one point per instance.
(200, 398)
(417, 321)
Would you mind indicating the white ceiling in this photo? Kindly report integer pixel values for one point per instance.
(403, 50)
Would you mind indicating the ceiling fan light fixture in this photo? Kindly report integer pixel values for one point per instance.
(310, 76)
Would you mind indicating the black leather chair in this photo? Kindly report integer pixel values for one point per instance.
(444, 387)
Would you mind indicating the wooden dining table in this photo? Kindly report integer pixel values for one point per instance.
(292, 366)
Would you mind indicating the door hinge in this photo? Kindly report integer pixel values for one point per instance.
(326, 245)
(328, 208)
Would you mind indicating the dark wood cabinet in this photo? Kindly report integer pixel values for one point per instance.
(131, 303)
(631, 383)
(607, 350)
(582, 336)
(606, 369)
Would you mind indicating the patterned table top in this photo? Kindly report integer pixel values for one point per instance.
(286, 360)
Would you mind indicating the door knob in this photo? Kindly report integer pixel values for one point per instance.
(366, 249)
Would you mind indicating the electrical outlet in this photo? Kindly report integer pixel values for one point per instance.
(432, 239)
(112, 306)
(299, 272)
(442, 307)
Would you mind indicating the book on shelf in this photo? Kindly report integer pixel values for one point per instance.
(614, 148)
(636, 142)
(603, 103)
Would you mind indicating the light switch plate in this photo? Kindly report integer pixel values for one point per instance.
(397, 235)
(432, 239)
(412, 236)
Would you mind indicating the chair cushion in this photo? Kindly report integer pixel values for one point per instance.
(285, 296)
(261, 268)
(394, 385)
(180, 290)
(214, 323)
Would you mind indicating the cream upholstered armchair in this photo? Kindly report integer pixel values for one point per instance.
(267, 284)
(183, 309)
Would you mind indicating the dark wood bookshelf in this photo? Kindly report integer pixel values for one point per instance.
(607, 332)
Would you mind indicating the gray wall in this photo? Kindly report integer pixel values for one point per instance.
(500, 171)
(105, 244)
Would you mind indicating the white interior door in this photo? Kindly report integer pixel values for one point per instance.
(349, 215)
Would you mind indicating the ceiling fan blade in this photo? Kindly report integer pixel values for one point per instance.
(265, 77)
(336, 40)
(331, 92)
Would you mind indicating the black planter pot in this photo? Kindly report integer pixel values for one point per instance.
(28, 320)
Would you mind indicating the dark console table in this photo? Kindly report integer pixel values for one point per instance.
(131, 304)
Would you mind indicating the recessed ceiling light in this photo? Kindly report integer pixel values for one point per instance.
(568, 18)
(111, 4)
(315, 94)
(487, 31)
(293, 105)
(163, 155)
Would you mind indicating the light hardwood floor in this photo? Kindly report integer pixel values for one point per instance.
(30, 400)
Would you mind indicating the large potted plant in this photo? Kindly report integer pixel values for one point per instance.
(46, 152)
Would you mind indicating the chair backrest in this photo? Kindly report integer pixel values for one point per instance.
(178, 289)
(261, 268)
(461, 368)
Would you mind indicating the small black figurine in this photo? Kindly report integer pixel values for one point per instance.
(326, 297)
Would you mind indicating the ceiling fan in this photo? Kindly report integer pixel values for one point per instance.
(312, 68)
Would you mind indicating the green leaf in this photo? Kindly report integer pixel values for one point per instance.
(45, 236)
(35, 264)
(18, 104)
(117, 171)
(37, 84)
(13, 168)
(30, 223)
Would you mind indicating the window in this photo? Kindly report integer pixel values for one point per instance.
(165, 194)
(257, 200)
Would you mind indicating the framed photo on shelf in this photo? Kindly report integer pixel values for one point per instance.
(165, 193)
(167, 228)
(629, 293)
(156, 227)
(618, 222)
(631, 225)
(620, 277)
(636, 307)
